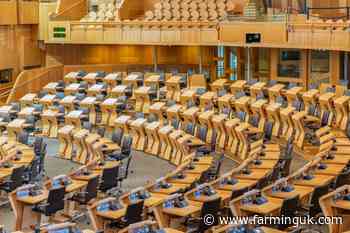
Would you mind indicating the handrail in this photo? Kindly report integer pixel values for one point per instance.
(33, 80)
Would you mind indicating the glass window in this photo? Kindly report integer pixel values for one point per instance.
(233, 63)
(6, 75)
(220, 66)
(289, 63)
(320, 67)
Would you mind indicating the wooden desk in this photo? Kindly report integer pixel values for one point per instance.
(90, 78)
(139, 135)
(224, 104)
(65, 137)
(188, 97)
(242, 106)
(182, 212)
(173, 114)
(96, 89)
(14, 128)
(165, 146)
(218, 122)
(318, 180)
(71, 77)
(157, 110)
(47, 101)
(331, 170)
(109, 113)
(143, 99)
(51, 88)
(28, 100)
(153, 142)
(74, 118)
(22, 208)
(218, 85)
(265, 164)
(341, 105)
(292, 95)
(175, 187)
(207, 101)
(232, 137)
(81, 154)
(26, 111)
(287, 122)
(255, 174)
(257, 89)
(304, 193)
(271, 207)
(310, 98)
(238, 86)
(274, 92)
(273, 115)
(72, 89)
(205, 120)
(197, 169)
(133, 80)
(49, 123)
(112, 80)
(89, 103)
(188, 179)
(258, 110)
(68, 103)
(173, 87)
(326, 106)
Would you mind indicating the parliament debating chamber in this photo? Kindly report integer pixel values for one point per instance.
(174, 116)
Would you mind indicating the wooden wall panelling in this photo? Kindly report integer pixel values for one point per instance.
(28, 12)
(270, 33)
(131, 33)
(8, 15)
(334, 60)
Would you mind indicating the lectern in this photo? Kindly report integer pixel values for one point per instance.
(174, 117)
(112, 80)
(207, 101)
(49, 123)
(242, 108)
(123, 123)
(342, 112)
(89, 103)
(225, 104)
(238, 86)
(96, 89)
(50, 88)
(257, 90)
(68, 103)
(153, 141)
(143, 97)
(218, 122)
(165, 147)
(109, 111)
(81, 150)
(28, 100)
(274, 92)
(139, 135)
(188, 98)
(48, 101)
(273, 116)
(219, 85)
(293, 95)
(326, 107)
(258, 118)
(14, 128)
(205, 120)
(74, 118)
(65, 137)
(157, 110)
(173, 87)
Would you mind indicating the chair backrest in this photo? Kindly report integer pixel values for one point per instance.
(316, 195)
(101, 131)
(211, 207)
(110, 178)
(38, 143)
(190, 128)
(290, 206)
(342, 179)
(91, 188)
(239, 192)
(134, 212)
(17, 178)
(202, 133)
(117, 136)
(23, 138)
(55, 200)
(126, 146)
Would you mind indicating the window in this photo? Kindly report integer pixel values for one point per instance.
(220, 66)
(6, 75)
(289, 63)
(233, 63)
